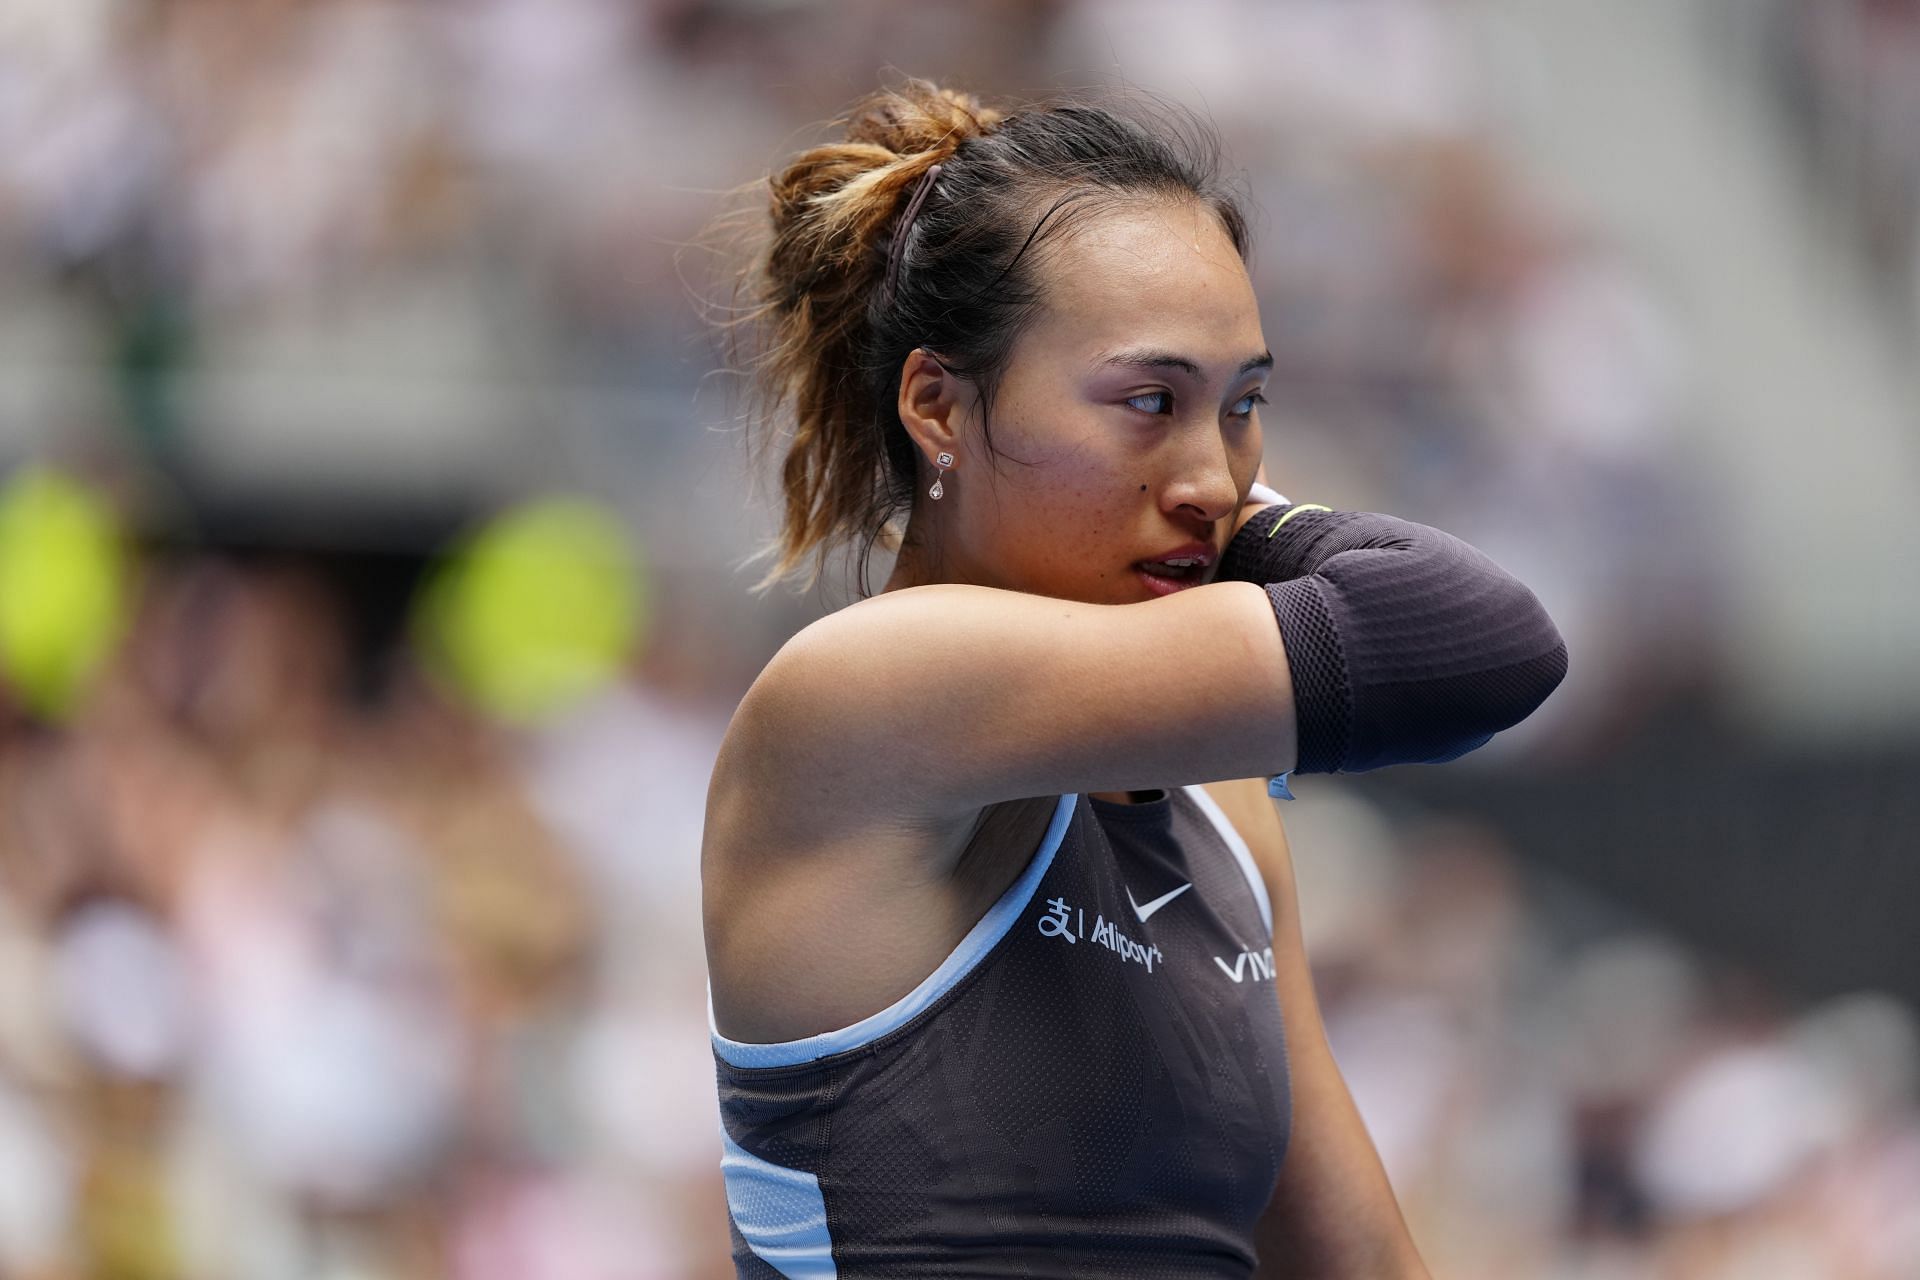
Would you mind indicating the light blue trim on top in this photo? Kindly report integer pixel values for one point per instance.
(980, 939)
(1240, 851)
(780, 1212)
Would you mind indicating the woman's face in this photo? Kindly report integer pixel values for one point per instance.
(1132, 395)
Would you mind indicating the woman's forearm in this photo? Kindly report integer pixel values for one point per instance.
(1405, 643)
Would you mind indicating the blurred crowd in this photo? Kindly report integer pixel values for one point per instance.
(310, 969)
(1561, 1090)
(300, 982)
(1848, 74)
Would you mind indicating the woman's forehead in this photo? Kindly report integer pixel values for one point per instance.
(1162, 273)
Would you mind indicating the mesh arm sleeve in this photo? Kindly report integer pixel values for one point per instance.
(1406, 645)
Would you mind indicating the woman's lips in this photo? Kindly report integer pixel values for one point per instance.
(1167, 586)
(1198, 556)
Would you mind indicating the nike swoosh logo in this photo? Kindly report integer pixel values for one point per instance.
(1143, 911)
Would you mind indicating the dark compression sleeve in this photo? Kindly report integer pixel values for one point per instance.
(1406, 644)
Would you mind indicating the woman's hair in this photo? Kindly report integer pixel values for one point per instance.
(828, 338)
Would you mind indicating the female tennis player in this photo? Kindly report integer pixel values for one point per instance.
(1005, 967)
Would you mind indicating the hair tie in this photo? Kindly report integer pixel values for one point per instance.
(899, 247)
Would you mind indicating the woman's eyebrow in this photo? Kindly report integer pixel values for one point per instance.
(1154, 358)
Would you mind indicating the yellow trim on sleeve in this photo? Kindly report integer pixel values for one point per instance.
(1304, 506)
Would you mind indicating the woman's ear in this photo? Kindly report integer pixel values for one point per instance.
(933, 403)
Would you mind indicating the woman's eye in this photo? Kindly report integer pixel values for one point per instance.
(1158, 402)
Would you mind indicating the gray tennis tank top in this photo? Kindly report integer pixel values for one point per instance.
(1093, 1083)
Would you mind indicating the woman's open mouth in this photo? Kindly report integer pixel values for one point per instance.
(1165, 579)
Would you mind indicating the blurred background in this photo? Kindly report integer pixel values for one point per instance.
(372, 522)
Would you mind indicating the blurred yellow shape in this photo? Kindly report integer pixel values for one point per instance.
(536, 610)
(62, 587)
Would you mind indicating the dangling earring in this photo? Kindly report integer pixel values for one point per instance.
(945, 460)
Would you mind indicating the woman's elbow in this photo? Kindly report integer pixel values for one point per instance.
(1510, 664)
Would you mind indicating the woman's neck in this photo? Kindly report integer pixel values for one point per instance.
(919, 562)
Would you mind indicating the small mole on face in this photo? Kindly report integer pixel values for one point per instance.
(1143, 488)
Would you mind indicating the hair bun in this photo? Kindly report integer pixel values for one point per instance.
(833, 205)
(921, 121)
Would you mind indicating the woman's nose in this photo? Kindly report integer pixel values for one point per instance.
(1207, 485)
